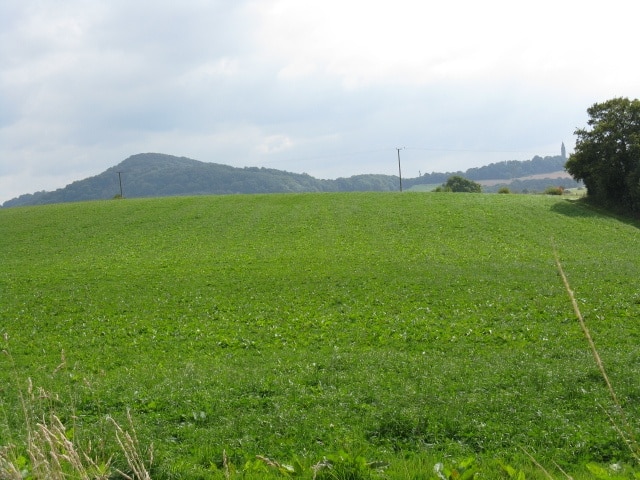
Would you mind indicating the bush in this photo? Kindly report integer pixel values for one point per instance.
(457, 183)
(554, 191)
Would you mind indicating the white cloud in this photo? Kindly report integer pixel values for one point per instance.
(275, 144)
(408, 42)
(328, 87)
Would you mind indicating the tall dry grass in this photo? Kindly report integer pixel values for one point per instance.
(50, 452)
(621, 425)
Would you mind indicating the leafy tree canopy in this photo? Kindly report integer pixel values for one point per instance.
(457, 183)
(607, 154)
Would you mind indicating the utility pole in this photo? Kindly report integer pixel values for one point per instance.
(399, 168)
(120, 180)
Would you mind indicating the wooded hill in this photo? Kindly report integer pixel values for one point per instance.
(157, 175)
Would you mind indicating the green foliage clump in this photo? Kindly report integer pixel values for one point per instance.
(504, 190)
(456, 183)
(607, 154)
(554, 190)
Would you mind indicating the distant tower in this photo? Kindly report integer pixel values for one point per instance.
(563, 152)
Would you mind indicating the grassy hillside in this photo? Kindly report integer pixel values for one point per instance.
(157, 175)
(160, 175)
(406, 328)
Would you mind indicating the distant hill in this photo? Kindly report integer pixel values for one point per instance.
(507, 170)
(533, 175)
(156, 175)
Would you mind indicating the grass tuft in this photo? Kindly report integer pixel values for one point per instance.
(131, 448)
(52, 454)
(628, 435)
(51, 451)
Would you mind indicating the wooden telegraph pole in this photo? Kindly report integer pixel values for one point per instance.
(399, 168)
(120, 181)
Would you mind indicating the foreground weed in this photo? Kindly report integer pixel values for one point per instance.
(274, 466)
(51, 452)
(537, 464)
(131, 448)
(628, 435)
(53, 455)
(341, 465)
(346, 466)
(514, 473)
(614, 472)
(464, 470)
(12, 467)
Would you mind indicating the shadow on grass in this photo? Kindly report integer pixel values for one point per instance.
(584, 209)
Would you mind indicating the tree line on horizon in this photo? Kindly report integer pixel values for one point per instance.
(157, 175)
(505, 170)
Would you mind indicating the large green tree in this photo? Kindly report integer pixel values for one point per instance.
(607, 154)
(456, 183)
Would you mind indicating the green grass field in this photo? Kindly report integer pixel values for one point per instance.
(401, 329)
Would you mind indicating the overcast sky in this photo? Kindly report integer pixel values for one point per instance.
(326, 87)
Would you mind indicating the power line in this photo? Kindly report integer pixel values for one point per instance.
(355, 153)
(328, 155)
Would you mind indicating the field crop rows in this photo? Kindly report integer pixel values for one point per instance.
(401, 328)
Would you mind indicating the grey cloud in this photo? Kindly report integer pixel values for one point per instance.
(83, 85)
